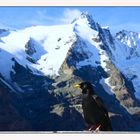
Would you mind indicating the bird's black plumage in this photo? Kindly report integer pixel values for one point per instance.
(94, 110)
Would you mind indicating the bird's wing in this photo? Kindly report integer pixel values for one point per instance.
(101, 105)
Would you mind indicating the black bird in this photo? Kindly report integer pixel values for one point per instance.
(95, 113)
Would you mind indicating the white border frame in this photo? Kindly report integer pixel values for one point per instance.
(69, 2)
(104, 136)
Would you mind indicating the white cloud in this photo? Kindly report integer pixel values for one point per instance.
(43, 18)
(70, 15)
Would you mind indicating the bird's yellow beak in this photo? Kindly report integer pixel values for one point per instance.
(77, 85)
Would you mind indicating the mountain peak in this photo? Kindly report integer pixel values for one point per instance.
(127, 35)
(84, 16)
(124, 33)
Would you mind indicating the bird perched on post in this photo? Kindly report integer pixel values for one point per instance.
(95, 113)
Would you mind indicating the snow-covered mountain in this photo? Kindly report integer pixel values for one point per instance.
(130, 42)
(40, 65)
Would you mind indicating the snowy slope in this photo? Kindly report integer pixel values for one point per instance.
(6, 63)
(51, 45)
(88, 31)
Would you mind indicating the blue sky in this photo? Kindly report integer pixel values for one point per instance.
(117, 18)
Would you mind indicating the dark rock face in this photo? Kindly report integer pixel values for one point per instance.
(34, 50)
(41, 107)
(26, 80)
(10, 118)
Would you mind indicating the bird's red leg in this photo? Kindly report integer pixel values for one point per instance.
(94, 128)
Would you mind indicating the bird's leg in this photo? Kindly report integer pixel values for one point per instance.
(98, 128)
(94, 128)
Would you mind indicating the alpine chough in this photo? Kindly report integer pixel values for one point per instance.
(94, 111)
